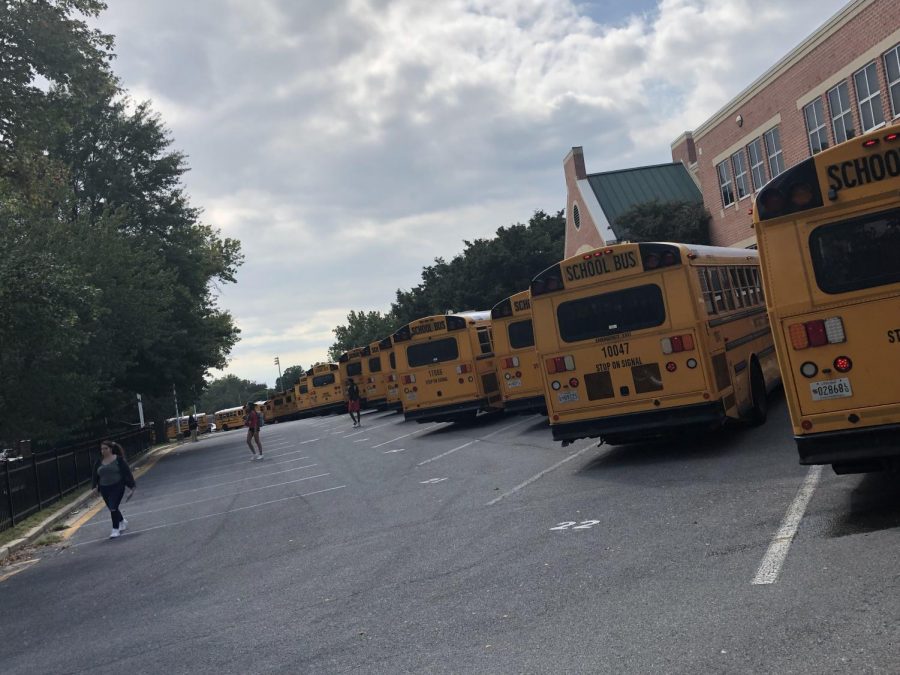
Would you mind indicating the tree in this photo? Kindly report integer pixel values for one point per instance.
(289, 378)
(362, 329)
(677, 221)
(229, 392)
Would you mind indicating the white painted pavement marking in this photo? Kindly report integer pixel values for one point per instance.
(219, 464)
(425, 428)
(166, 481)
(166, 495)
(212, 515)
(103, 521)
(444, 454)
(311, 440)
(542, 473)
(360, 440)
(477, 440)
(388, 452)
(377, 426)
(432, 480)
(770, 567)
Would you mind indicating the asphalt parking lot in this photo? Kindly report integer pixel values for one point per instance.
(400, 547)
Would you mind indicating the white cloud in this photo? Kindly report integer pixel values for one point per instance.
(348, 143)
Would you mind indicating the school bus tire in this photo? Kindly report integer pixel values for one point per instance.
(759, 409)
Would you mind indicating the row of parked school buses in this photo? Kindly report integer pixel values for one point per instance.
(638, 341)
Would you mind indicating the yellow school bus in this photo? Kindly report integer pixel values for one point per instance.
(828, 231)
(203, 426)
(518, 367)
(376, 367)
(351, 364)
(325, 392)
(280, 407)
(640, 341)
(389, 372)
(229, 418)
(445, 364)
(301, 396)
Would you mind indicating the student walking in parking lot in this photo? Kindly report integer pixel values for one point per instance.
(111, 476)
(252, 422)
(353, 402)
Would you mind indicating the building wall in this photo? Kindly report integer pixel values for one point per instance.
(587, 235)
(858, 35)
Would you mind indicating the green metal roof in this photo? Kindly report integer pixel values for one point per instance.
(618, 191)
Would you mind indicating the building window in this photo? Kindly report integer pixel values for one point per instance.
(757, 163)
(576, 216)
(815, 126)
(725, 184)
(892, 67)
(841, 117)
(739, 164)
(868, 94)
(773, 150)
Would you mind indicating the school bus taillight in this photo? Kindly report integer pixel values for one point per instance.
(817, 333)
(890, 138)
(409, 379)
(512, 362)
(463, 368)
(677, 343)
(843, 364)
(560, 364)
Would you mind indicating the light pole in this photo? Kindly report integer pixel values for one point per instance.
(278, 363)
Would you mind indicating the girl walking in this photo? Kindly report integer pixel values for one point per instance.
(111, 476)
(252, 422)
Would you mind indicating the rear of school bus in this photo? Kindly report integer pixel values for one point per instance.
(621, 344)
(391, 380)
(446, 368)
(229, 418)
(376, 369)
(829, 238)
(301, 396)
(516, 359)
(280, 407)
(325, 391)
(351, 364)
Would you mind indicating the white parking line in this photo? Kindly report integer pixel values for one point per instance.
(426, 428)
(166, 495)
(166, 481)
(357, 433)
(360, 440)
(211, 515)
(535, 477)
(230, 462)
(449, 452)
(311, 440)
(103, 521)
(770, 567)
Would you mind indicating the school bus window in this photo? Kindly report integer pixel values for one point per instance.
(855, 254)
(716, 283)
(433, 351)
(611, 313)
(393, 361)
(521, 334)
(304, 389)
(278, 401)
(375, 365)
(322, 380)
(354, 368)
(708, 294)
(739, 298)
(484, 340)
(726, 288)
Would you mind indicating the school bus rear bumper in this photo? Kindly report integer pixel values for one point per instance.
(642, 424)
(443, 412)
(850, 445)
(530, 404)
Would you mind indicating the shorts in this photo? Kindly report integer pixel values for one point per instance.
(353, 406)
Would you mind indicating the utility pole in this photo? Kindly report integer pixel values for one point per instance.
(177, 416)
(140, 410)
(278, 363)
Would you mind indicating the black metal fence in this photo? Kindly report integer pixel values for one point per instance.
(29, 484)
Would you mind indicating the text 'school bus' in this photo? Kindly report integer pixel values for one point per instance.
(301, 396)
(515, 357)
(829, 238)
(230, 418)
(645, 340)
(376, 370)
(446, 367)
(281, 407)
(325, 392)
(350, 364)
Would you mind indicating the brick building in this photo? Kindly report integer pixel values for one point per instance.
(841, 81)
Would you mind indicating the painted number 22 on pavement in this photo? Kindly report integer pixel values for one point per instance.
(583, 525)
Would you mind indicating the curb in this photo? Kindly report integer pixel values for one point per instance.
(66, 511)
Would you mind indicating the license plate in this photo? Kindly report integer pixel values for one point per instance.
(513, 383)
(828, 389)
(411, 397)
(567, 396)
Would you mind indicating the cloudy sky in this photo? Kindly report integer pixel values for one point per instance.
(347, 143)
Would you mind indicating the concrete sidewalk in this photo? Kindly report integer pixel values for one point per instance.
(143, 464)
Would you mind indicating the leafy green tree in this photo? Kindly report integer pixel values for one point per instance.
(228, 392)
(289, 378)
(678, 221)
(362, 329)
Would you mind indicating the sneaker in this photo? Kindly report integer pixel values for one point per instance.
(259, 456)
(253, 456)
(115, 533)
(123, 525)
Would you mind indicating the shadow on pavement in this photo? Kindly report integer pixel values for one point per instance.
(873, 505)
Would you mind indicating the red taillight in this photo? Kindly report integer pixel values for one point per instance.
(677, 344)
(560, 364)
(409, 379)
(463, 369)
(842, 364)
(815, 331)
(871, 143)
(892, 137)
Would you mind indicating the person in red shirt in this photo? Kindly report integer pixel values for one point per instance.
(251, 421)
